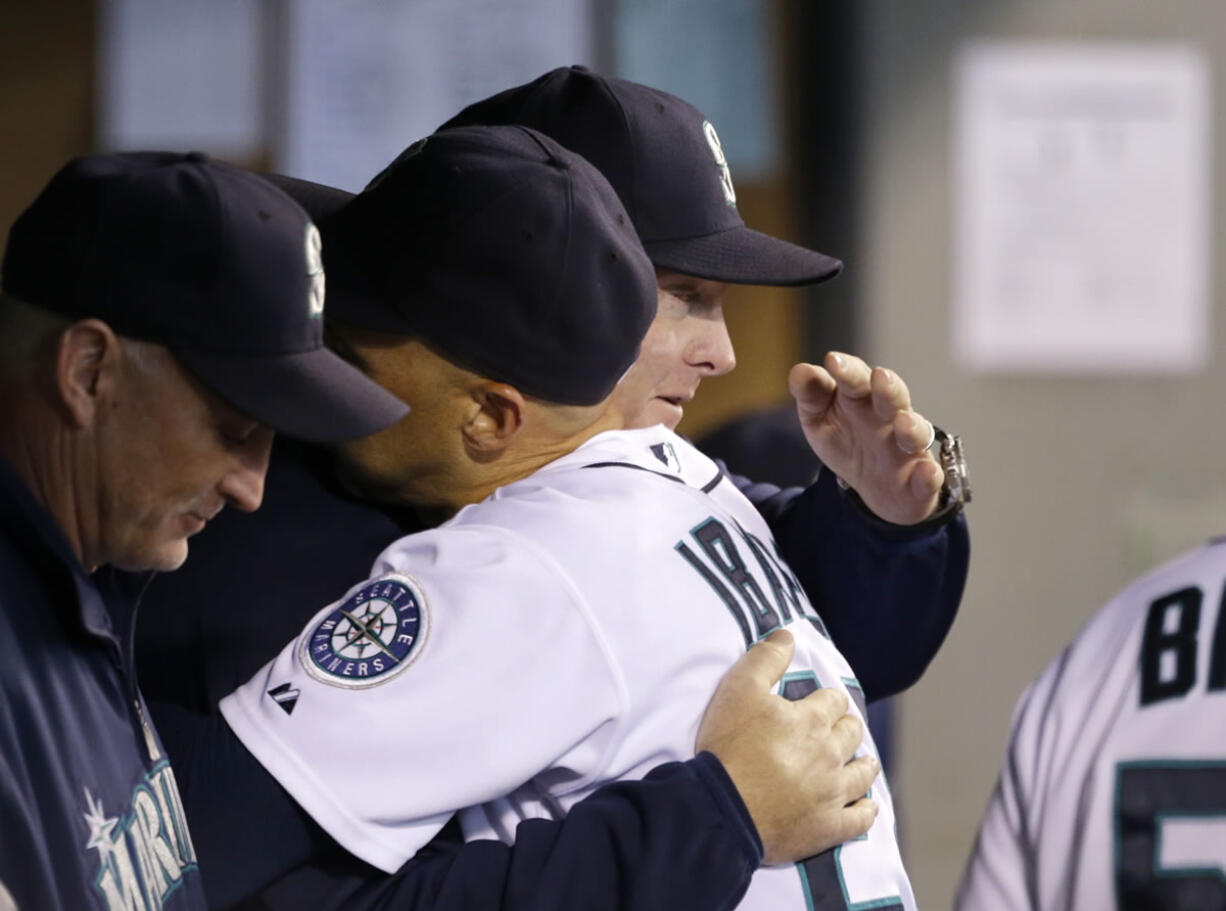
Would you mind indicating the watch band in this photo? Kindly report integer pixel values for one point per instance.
(955, 491)
(949, 452)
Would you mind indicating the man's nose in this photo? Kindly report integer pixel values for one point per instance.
(713, 348)
(243, 486)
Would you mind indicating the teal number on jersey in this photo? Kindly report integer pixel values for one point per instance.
(823, 875)
(1154, 868)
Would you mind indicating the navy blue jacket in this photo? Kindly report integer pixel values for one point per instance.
(90, 816)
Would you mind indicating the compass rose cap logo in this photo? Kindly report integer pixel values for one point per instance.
(370, 637)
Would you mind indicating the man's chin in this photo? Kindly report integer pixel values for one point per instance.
(162, 558)
(660, 411)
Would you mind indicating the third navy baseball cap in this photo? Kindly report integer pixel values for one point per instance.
(505, 251)
(666, 162)
(208, 260)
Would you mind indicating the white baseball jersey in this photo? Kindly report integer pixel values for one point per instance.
(1113, 790)
(565, 632)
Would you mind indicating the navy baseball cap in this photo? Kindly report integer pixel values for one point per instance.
(211, 261)
(509, 254)
(665, 160)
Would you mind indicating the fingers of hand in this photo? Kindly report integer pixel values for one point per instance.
(856, 811)
(890, 393)
(763, 665)
(741, 697)
(913, 432)
(846, 735)
(813, 388)
(926, 479)
(856, 819)
(826, 708)
(859, 776)
(832, 809)
(851, 373)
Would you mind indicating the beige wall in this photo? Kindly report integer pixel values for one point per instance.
(1080, 482)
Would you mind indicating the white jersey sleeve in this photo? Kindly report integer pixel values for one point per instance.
(1113, 790)
(395, 706)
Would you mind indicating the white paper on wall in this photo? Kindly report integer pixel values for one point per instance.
(1082, 214)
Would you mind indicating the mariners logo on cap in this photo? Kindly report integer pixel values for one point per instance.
(315, 269)
(371, 637)
(725, 176)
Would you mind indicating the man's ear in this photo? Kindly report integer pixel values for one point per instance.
(497, 420)
(87, 355)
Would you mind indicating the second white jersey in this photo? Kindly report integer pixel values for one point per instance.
(566, 632)
(1113, 790)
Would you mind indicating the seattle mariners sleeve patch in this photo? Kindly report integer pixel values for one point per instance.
(370, 637)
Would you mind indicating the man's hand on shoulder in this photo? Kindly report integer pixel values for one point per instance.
(860, 423)
(791, 761)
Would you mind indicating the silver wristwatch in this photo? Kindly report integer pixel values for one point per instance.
(948, 450)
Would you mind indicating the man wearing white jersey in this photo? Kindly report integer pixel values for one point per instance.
(567, 629)
(599, 599)
(1113, 790)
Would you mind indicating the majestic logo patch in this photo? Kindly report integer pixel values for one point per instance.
(285, 696)
(721, 162)
(666, 454)
(315, 271)
(370, 638)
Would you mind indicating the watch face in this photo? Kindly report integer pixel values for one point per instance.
(953, 462)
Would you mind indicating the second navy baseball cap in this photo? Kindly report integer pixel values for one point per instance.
(508, 253)
(210, 261)
(666, 162)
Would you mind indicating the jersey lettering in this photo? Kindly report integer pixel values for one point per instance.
(1168, 649)
(789, 596)
(786, 598)
(142, 857)
(753, 612)
(1170, 644)
(1154, 867)
(721, 550)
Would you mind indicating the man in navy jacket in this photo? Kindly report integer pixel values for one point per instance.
(160, 317)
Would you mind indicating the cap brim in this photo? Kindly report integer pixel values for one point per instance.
(312, 395)
(743, 256)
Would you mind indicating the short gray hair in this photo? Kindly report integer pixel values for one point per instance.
(25, 328)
